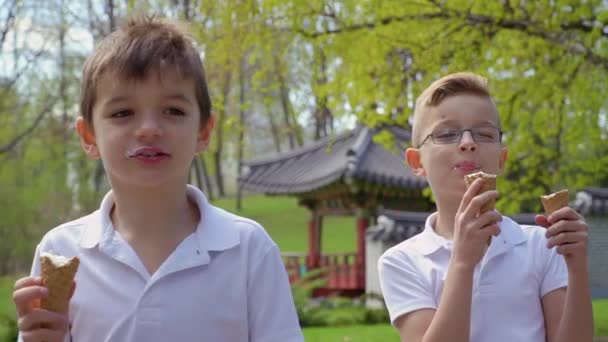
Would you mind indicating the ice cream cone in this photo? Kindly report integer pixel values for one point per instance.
(489, 183)
(57, 276)
(555, 201)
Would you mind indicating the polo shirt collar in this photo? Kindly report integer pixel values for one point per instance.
(98, 223)
(429, 241)
(214, 232)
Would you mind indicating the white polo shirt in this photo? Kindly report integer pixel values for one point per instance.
(515, 273)
(224, 282)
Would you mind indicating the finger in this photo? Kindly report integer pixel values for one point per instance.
(27, 281)
(565, 213)
(27, 297)
(43, 335)
(471, 192)
(486, 219)
(477, 202)
(566, 238)
(73, 289)
(570, 248)
(39, 318)
(542, 221)
(565, 226)
(492, 229)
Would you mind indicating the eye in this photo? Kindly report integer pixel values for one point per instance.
(174, 111)
(446, 134)
(121, 113)
(490, 133)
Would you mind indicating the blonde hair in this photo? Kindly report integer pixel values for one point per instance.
(450, 85)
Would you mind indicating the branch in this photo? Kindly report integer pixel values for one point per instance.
(10, 145)
(531, 28)
(370, 25)
(9, 19)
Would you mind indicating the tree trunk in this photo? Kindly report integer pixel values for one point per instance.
(207, 181)
(323, 117)
(219, 137)
(291, 125)
(274, 129)
(241, 135)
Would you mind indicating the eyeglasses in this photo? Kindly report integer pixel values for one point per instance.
(483, 134)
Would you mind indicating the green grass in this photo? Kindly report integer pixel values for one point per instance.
(6, 302)
(353, 333)
(600, 317)
(287, 223)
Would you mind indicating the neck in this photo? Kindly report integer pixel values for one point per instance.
(154, 215)
(446, 216)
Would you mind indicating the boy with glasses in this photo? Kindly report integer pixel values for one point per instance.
(448, 283)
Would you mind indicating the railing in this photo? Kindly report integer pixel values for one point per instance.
(343, 270)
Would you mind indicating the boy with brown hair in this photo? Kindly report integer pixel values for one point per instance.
(158, 262)
(447, 283)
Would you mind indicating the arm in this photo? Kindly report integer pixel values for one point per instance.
(568, 312)
(450, 320)
(271, 309)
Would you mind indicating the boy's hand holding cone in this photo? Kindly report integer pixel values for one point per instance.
(57, 276)
(42, 302)
(489, 183)
(566, 228)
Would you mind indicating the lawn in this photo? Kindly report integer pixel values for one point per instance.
(286, 222)
(354, 333)
(6, 302)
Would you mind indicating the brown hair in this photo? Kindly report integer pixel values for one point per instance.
(450, 85)
(142, 44)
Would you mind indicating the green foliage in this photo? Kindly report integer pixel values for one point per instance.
(547, 72)
(334, 310)
(352, 333)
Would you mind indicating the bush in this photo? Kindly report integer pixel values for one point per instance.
(332, 311)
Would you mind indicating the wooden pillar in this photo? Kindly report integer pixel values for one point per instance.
(362, 225)
(314, 241)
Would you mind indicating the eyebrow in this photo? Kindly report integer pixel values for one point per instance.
(176, 96)
(457, 123)
(179, 97)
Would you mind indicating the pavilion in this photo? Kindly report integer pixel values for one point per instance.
(349, 174)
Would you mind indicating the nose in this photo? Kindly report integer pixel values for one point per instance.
(149, 127)
(467, 143)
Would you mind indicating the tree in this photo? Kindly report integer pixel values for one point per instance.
(546, 60)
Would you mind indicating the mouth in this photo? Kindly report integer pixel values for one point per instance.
(467, 167)
(148, 153)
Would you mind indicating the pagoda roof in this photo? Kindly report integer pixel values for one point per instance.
(395, 226)
(348, 157)
(592, 201)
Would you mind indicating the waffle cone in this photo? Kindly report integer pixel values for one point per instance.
(58, 280)
(489, 183)
(555, 201)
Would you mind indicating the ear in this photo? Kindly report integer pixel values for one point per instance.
(204, 134)
(412, 157)
(87, 138)
(503, 158)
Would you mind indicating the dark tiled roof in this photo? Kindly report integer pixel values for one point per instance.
(592, 201)
(349, 156)
(396, 226)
